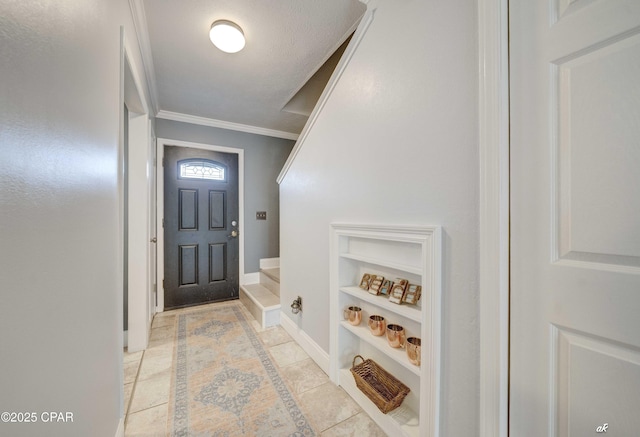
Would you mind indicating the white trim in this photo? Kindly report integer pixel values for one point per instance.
(203, 121)
(120, 429)
(161, 142)
(269, 263)
(142, 32)
(494, 216)
(312, 348)
(251, 278)
(137, 246)
(140, 290)
(328, 90)
(133, 68)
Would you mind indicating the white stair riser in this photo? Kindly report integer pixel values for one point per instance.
(266, 317)
(251, 306)
(271, 317)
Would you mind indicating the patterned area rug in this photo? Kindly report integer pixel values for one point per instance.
(225, 382)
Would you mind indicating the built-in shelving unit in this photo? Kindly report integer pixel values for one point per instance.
(412, 253)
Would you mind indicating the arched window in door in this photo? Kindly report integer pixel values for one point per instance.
(202, 169)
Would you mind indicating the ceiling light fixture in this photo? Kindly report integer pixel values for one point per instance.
(227, 36)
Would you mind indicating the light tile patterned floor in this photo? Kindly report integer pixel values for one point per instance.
(148, 379)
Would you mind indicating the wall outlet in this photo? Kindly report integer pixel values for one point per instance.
(261, 215)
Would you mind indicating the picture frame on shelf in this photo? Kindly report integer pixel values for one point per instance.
(412, 294)
(386, 286)
(397, 293)
(375, 284)
(402, 282)
(364, 282)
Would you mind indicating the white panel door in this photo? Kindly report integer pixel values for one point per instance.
(575, 218)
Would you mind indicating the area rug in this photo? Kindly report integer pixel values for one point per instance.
(225, 383)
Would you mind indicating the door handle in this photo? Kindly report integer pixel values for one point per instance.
(234, 234)
(154, 240)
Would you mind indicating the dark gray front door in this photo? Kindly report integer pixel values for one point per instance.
(200, 226)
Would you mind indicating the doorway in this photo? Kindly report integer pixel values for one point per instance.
(201, 224)
(136, 196)
(530, 394)
(575, 209)
(216, 250)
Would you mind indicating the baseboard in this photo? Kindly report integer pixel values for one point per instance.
(120, 430)
(316, 353)
(251, 278)
(269, 263)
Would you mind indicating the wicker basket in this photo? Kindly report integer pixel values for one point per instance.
(380, 386)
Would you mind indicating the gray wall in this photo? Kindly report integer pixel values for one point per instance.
(263, 159)
(60, 237)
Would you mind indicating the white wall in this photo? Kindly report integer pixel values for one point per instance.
(60, 236)
(397, 143)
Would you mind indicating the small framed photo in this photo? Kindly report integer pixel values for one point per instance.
(386, 286)
(397, 293)
(364, 283)
(403, 282)
(376, 284)
(413, 293)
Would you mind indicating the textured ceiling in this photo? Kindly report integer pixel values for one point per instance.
(287, 42)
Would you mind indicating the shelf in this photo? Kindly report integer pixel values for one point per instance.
(413, 253)
(411, 312)
(398, 355)
(401, 421)
(382, 263)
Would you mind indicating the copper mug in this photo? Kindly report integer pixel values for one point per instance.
(414, 350)
(353, 315)
(377, 325)
(395, 335)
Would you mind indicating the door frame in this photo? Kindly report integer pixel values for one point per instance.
(140, 290)
(161, 142)
(493, 134)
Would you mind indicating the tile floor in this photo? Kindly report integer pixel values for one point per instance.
(147, 383)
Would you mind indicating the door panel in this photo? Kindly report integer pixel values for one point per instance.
(188, 210)
(188, 266)
(575, 209)
(217, 209)
(217, 262)
(201, 245)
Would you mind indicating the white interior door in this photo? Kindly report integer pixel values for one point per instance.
(575, 217)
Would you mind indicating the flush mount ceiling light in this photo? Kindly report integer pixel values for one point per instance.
(227, 36)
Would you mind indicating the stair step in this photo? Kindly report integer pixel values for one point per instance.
(261, 303)
(270, 278)
(273, 273)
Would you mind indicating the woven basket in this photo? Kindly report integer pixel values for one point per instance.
(380, 386)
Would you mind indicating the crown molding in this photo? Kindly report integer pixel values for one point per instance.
(194, 119)
(142, 32)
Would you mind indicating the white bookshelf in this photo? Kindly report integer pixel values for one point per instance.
(412, 253)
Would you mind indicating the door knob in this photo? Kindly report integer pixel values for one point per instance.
(154, 240)
(234, 234)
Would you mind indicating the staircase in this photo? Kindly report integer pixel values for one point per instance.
(263, 299)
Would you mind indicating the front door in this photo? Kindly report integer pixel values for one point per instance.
(200, 226)
(575, 218)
